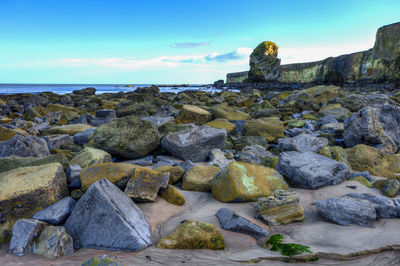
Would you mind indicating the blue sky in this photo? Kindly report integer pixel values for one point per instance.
(173, 41)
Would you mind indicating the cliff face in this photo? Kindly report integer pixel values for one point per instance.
(380, 63)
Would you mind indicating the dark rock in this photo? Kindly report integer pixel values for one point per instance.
(158, 120)
(102, 117)
(253, 154)
(84, 136)
(364, 174)
(23, 234)
(24, 147)
(145, 161)
(328, 119)
(85, 92)
(57, 141)
(73, 173)
(308, 142)
(56, 213)
(83, 119)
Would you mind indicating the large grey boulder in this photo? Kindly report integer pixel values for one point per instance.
(195, 143)
(56, 213)
(310, 170)
(24, 146)
(307, 142)
(106, 218)
(360, 209)
(24, 233)
(231, 221)
(377, 126)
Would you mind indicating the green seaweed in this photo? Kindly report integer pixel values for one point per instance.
(286, 249)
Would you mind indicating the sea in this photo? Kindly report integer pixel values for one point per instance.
(100, 88)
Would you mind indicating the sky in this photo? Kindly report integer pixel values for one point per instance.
(174, 41)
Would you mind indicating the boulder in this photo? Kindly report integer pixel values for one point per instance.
(222, 123)
(102, 117)
(106, 218)
(218, 158)
(145, 184)
(6, 133)
(310, 170)
(271, 128)
(307, 142)
(339, 113)
(281, 208)
(175, 173)
(53, 242)
(89, 156)
(253, 154)
(117, 173)
(26, 190)
(336, 153)
(198, 178)
(24, 147)
(391, 187)
(228, 113)
(231, 221)
(56, 213)
(13, 162)
(172, 195)
(127, 137)
(193, 235)
(56, 142)
(377, 126)
(85, 92)
(193, 114)
(84, 136)
(71, 129)
(24, 232)
(264, 63)
(195, 143)
(295, 123)
(158, 121)
(242, 182)
(73, 173)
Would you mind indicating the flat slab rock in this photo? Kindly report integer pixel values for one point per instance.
(57, 213)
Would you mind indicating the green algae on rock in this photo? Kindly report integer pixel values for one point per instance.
(274, 243)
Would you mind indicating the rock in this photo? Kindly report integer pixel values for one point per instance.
(158, 121)
(13, 162)
(307, 142)
(361, 180)
(56, 213)
(84, 136)
(193, 114)
(264, 63)
(281, 208)
(193, 235)
(222, 123)
(336, 130)
(53, 242)
(175, 173)
(249, 141)
(26, 190)
(105, 218)
(83, 119)
(271, 128)
(326, 120)
(231, 221)
(57, 141)
(195, 143)
(198, 178)
(145, 184)
(102, 260)
(89, 156)
(102, 117)
(24, 147)
(117, 173)
(172, 195)
(296, 123)
(73, 173)
(339, 113)
(228, 113)
(128, 108)
(127, 137)
(186, 165)
(285, 144)
(310, 170)
(364, 174)
(145, 161)
(71, 129)
(218, 159)
(6, 133)
(336, 153)
(85, 92)
(391, 187)
(24, 232)
(253, 154)
(242, 182)
(377, 126)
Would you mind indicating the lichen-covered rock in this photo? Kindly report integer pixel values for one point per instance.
(56, 213)
(71, 129)
(172, 195)
(24, 232)
(12, 162)
(281, 208)
(362, 180)
(127, 137)
(145, 184)
(231, 221)
(242, 182)
(89, 156)
(228, 113)
(391, 187)
(271, 128)
(218, 159)
(175, 172)
(264, 63)
(296, 123)
(102, 260)
(377, 126)
(26, 190)
(198, 178)
(106, 218)
(222, 123)
(193, 235)
(24, 147)
(193, 114)
(310, 170)
(53, 242)
(195, 143)
(117, 173)
(336, 153)
(6, 133)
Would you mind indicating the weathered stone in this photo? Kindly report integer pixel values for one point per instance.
(102, 117)
(102, 260)
(198, 178)
(326, 120)
(193, 114)
(281, 208)
(57, 141)
(6, 133)
(271, 128)
(13, 162)
(296, 123)
(222, 123)
(339, 113)
(73, 173)
(84, 136)
(195, 143)
(391, 187)
(24, 147)
(53, 242)
(175, 173)
(218, 159)
(105, 218)
(158, 121)
(231, 221)
(241, 182)
(253, 154)
(145, 161)
(24, 232)
(127, 137)
(56, 213)
(193, 235)
(225, 112)
(362, 180)
(26, 190)
(69, 129)
(145, 184)
(89, 156)
(307, 142)
(264, 63)
(172, 195)
(310, 170)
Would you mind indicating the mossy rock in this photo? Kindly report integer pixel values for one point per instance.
(67, 117)
(198, 178)
(336, 153)
(169, 128)
(6, 133)
(270, 162)
(391, 187)
(222, 123)
(193, 114)
(90, 156)
(310, 117)
(193, 235)
(362, 180)
(275, 243)
(102, 260)
(172, 195)
(13, 162)
(295, 123)
(271, 128)
(128, 108)
(175, 172)
(228, 113)
(68, 129)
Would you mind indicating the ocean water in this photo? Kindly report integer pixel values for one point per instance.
(100, 88)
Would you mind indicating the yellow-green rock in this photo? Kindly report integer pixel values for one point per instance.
(296, 123)
(362, 180)
(175, 172)
(58, 107)
(222, 123)
(53, 242)
(117, 173)
(89, 156)
(242, 182)
(225, 112)
(336, 153)
(193, 235)
(67, 117)
(271, 128)
(193, 114)
(391, 187)
(321, 94)
(198, 178)
(6, 133)
(71, 129)
(172, 195)
(26, 190)
(310, 117)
